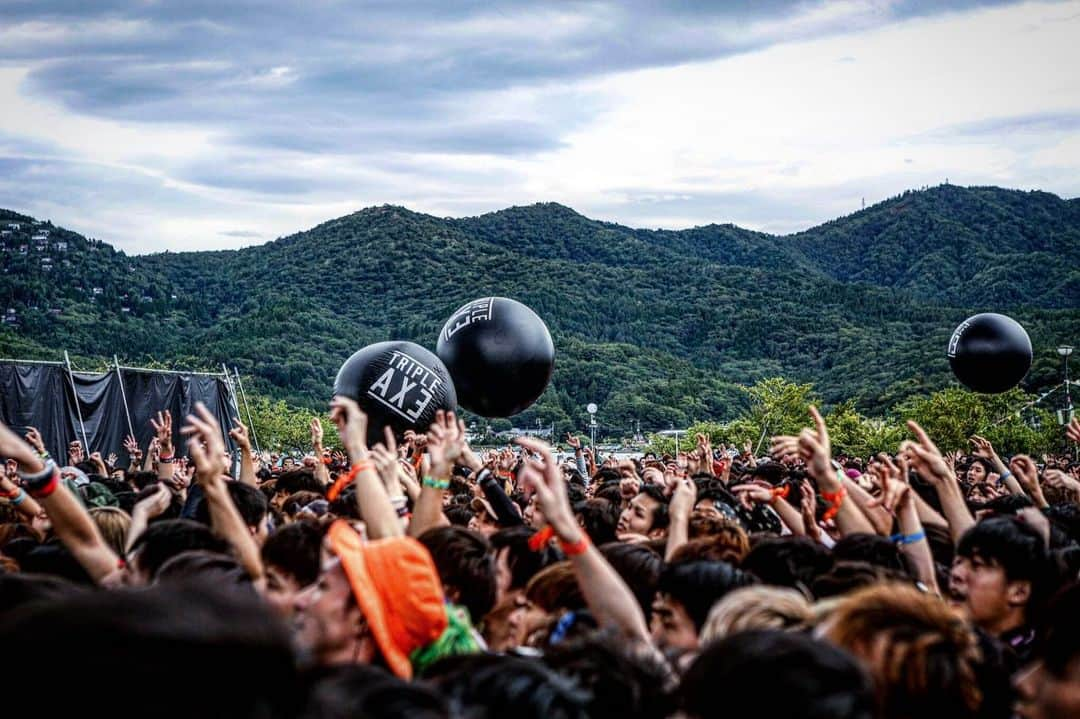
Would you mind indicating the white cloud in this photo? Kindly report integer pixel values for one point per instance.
(774, 139)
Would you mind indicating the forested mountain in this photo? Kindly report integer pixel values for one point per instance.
(654, 326)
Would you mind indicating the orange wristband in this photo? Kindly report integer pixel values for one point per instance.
(577, 548)
(344, 481)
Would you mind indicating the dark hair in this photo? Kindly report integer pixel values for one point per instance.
(459, 516)
(299, 480)
(599, 517)
(142, 480)
(466, 567)
(162, 540)
(153, 633)
(489, 686)
(660, 518)
(787, 674)
(197, 565)
(1009, 504)
(176, 503)
(54, 559)
(846, 576)
(358, 690)
(1016, 547)
(19, 589)
(874, 549)
(299, 500)
(639, 567)
(1066, 518)
(295, 549)
(697, 585)
(1059, 634)
(524, 563)
(609, 491)
(250, 503)
(787, 561)
(623, 680)
(607, 474)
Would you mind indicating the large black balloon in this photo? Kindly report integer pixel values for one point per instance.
(399, 384)
(499, 353)
(990, 353)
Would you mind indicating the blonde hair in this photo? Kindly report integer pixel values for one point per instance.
(113, 523)
(922, 655)
(757, 607)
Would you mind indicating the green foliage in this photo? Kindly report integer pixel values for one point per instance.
(855, 435)
(953, 415)
(280, 427)
(659, 328)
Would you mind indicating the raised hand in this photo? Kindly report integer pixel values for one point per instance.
(573, 441)
(95, 457)
(808, 509)
(982, 448)
(1072, 431)
(925, 458)
(750, 494)
(205, 445)
(111, 459)
(75, 452)
(239, 434)
(546, 480)
(155, 504)
(814, 448)
(316, 434)
(352, 426)
(163, 430)
(34, 438)
(445, 443)
(385, 457)
(131, 446)
(1060, 480)
(895, 490)
(1027, 474)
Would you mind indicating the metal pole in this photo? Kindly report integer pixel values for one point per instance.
(247, 408)
(78, 409)
(123, 395)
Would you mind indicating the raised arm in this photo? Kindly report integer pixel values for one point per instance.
(814, 446)
(679, 509)
(239, 434)
(925, 458)
(897, 497)
(608, 597)
(445, 443)
(70, 521)
(207, 450)
(379, 516)
(321, 472)
(163, 428)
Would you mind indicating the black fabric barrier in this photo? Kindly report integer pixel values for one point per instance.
(41, 395)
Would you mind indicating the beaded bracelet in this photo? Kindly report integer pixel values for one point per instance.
(835, 499)
(435, 483)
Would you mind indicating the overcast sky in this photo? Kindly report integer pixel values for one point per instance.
(199, 124)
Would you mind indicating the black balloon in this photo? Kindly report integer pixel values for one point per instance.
(398, 384)
(499, 353)
(990, 353)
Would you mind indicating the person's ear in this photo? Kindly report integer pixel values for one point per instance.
(1018, 593)
(657, 533)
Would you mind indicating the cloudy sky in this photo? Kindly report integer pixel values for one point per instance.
(199, 124)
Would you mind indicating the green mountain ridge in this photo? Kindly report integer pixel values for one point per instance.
(656, 326)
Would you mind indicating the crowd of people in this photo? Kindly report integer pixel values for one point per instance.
(415, 577)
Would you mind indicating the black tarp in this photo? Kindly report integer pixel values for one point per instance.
(41, 395)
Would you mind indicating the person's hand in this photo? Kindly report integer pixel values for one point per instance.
(544, 477)
(316, 434)
(1072, 431)
(629, 487)
(239, 434)
(75, 453)
(111, 459)
(704, 448)
(1060, 480)
(352, 426)
(14, 447)
(573, 441)
(95, 457)
(814, 448)
(154, 447)
(751, 494)
(385, 457)
(205, 445)
(35, 440)
(895, 490)
(163, 429)
(925, 458)
(445, 443)
(683, 499)
(982, 448)
(131, 446)
(155, 504)
(748, 449)
(1027, 474)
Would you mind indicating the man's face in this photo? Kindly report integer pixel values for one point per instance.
(288, 463)
(484, 523)
(1042, 695)
(976, 472)
(671, 626)
(707, 508)
(637, 518)
(980, 589)
(326, 618)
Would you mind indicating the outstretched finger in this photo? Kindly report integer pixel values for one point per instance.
(819, 423)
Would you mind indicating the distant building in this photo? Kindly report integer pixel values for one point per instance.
(14, 225)
(61, 246)
(98, 290)
(40, 237)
